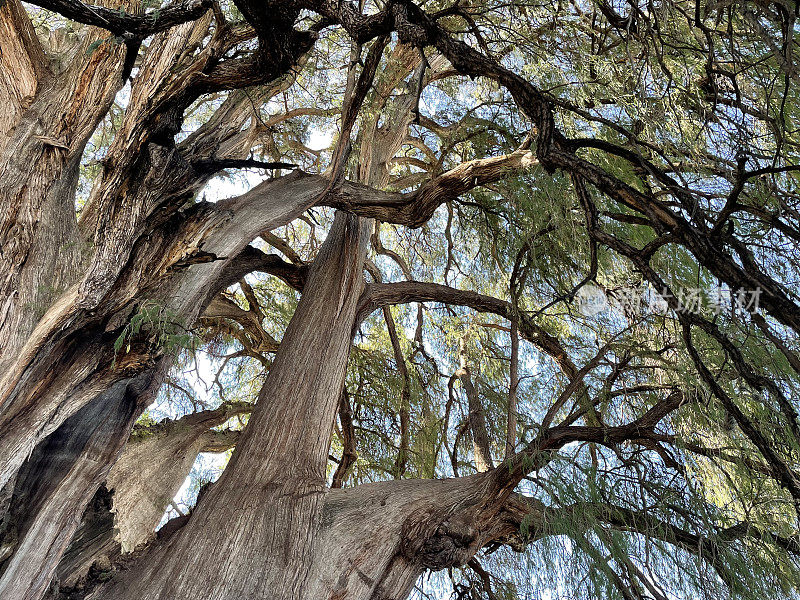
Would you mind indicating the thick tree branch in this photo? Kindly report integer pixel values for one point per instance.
(252, 335)
(22, 63)
(414, 209)
(214, 165)
(288, 462)
(381, 294)
(120, 22)
(541, 449)
(251, 260)
(202, 420)
(220, 441)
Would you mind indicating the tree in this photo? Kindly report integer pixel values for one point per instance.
(555, 311)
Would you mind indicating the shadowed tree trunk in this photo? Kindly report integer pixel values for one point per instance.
(91, 551)
(59, 479)
(92, 367)
(125, 511)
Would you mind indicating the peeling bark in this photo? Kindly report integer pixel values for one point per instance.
(22, 63)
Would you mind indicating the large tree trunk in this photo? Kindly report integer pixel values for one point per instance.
(57, 482)
(370, 542)
(65, 361)
(261, 518)
(125, 511)
(51, 390)
(155, 464)
(89, 299)
(377, 539)
(264, 519)
(60, 310)
(50, 112)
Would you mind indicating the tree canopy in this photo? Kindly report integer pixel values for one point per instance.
(558, 298)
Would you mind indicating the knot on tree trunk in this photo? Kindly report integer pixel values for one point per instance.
(451, 544)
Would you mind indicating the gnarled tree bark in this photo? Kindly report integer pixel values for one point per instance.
(261, 518)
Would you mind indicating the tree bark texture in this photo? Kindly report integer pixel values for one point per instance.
(58, 480)
(139, 488)
(155, 464)
(258, 523)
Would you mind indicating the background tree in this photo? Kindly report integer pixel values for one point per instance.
(502, 292)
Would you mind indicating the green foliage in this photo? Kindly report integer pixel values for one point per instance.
(158, 326)
(96, 44)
